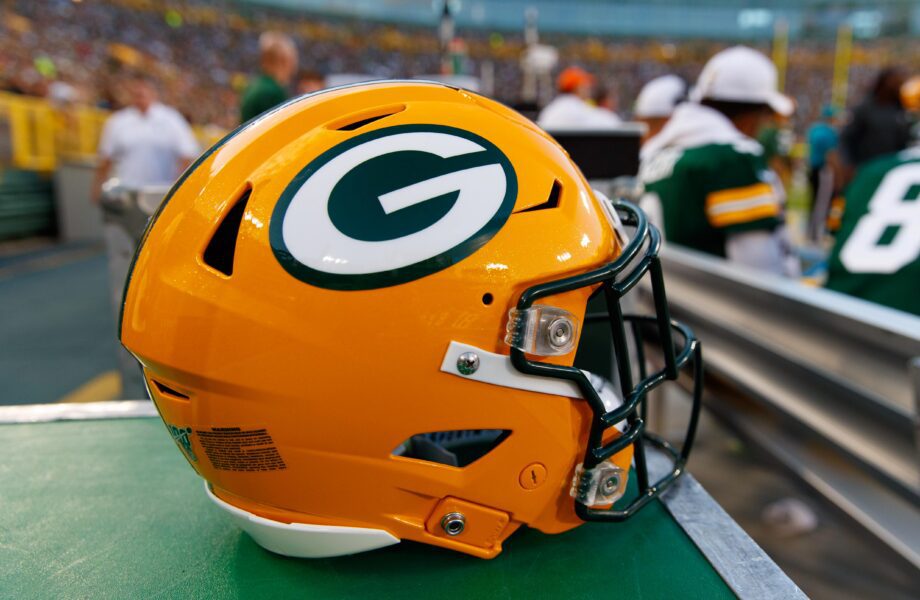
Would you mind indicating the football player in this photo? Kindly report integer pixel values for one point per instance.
(877, 253)
(708, 174)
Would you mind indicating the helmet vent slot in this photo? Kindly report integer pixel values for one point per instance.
(165, 390)
(454, 448)
(357, 121)
(552, 201)
(221, 250)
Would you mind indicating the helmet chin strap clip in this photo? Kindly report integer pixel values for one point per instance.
(599, 487)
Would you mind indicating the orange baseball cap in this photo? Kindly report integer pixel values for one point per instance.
(573, 77)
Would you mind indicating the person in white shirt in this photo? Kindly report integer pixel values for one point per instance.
(656, 101)
(570, 109)
(145, 144)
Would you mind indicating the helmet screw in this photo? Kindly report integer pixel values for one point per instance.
(560, 332)
(611, 485)
(453, 523)
(468, 363)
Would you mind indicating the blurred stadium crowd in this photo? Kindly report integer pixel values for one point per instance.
(74, 51)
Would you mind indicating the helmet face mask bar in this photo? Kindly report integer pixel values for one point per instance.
(616, 281)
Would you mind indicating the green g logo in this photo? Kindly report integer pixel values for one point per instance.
(391, 206)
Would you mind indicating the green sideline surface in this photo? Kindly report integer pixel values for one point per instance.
(110, 509)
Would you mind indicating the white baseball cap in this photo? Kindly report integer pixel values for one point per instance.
(741, 74)
(659, 97)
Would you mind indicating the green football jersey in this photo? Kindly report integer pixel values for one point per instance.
(877, 253)
(709, 191)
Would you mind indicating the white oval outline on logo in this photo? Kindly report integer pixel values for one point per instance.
(315, 245)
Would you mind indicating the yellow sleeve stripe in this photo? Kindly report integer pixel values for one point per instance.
(738, 194)
(741, 205)
(763, 210)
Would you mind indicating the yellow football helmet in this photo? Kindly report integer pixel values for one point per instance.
(358, 316)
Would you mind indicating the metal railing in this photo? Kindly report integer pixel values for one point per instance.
(828, 384)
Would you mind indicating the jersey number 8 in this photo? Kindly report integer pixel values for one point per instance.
(895, 205)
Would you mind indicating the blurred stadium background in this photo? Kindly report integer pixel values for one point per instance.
(70, 52)
(61, 64)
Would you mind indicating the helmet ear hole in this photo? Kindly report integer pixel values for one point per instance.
(457, 448)
(220, 251)
(487, 298)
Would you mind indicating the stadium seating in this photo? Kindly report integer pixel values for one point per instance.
(203, 53)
